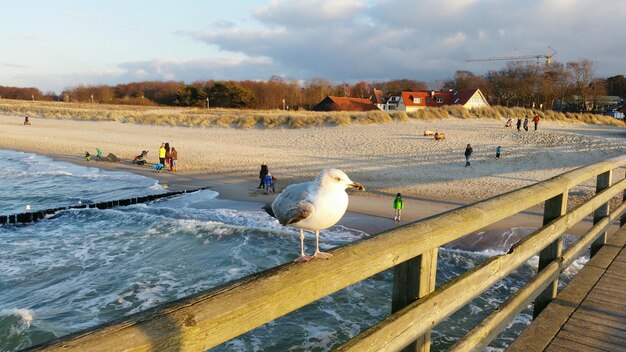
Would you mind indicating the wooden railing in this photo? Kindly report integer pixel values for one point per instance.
(210, 318)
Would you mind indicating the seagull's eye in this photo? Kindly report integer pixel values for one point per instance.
(338, 178)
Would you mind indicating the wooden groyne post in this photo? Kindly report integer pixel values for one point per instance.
(28, 217)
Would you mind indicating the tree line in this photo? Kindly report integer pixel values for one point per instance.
(564, 87)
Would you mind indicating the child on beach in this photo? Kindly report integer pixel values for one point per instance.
(498, 149)
(398, 205)
(26, 122)
(87, 156)
(98, 153)
(174, 159)
(268, 180)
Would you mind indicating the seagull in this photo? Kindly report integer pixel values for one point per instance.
(313, 206)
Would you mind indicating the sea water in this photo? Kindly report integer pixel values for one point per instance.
(84, 267)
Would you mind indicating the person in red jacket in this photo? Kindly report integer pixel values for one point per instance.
(536, 120)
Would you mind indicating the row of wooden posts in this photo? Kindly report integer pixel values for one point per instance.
(29, 217)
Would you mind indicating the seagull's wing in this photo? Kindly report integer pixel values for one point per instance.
(293, 204)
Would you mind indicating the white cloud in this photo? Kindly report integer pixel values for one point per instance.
(455, 39)
(307, 13)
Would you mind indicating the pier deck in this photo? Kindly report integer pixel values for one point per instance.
(590, 313)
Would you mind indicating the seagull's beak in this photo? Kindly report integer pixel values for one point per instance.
(357, 186)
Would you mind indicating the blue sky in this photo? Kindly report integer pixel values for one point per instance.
(53, 45)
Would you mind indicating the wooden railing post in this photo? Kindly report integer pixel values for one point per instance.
(414, 279)
(553, 208)
(603, 182)
(622, 220)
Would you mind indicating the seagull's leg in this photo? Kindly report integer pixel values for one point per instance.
(319, 254)
(302, 257)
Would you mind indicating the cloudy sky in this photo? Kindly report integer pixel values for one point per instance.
(54, 45)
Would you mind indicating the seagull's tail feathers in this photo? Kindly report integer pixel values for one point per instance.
(268, 209)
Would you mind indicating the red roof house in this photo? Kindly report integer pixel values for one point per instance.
(469, 98)
(331, 103)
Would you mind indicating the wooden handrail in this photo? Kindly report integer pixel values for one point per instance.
(479, 337)
(212, 317)
(400, 329)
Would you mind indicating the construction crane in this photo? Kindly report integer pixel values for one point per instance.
(548, 57)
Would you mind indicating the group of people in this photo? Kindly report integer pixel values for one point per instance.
(267, 180)
(168, 157)
(98, 154)
(520, 124)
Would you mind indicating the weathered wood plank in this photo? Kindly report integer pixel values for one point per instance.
(543, 330)
(414, 279)
(590, 338)
(600, 319)
(560, 345)
(602, 183)
(614, 335)
(554, 208)
(607, 306)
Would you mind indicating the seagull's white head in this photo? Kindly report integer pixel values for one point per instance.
(336, 178)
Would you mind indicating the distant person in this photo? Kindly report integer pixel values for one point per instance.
(498, 149)
(519, 124)
(264, 171)
(509, 123)
(398, 205)
(162, 154)
(526, 123)
(268, 180)
(174, 159)
(98, 153)
(87, 156)
(26, 122)
(167, 154)
(468, 153)
(536, 120)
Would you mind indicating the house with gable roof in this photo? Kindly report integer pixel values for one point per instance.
(468, 98)
(332, 103)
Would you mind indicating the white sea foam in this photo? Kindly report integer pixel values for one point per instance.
(26, 315)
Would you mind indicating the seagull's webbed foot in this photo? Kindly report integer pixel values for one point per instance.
(322, 255)
(303, 258)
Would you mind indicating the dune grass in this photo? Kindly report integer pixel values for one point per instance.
(239, 118)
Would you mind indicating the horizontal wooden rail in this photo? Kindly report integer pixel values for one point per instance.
(403, 327)
(480, 337)
(210, 318)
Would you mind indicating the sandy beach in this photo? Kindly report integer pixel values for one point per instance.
(386, 158)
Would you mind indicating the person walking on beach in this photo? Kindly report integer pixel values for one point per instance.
(268, 180)
(26, 122)
(398, 205)
(98, 153)
(174, 158)
(498, 152)
(468, 153)
(264, 171)
(87, 156)
(162, 154)
(526, 123)
(167, 154)
(536, 120)
(519, 124)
